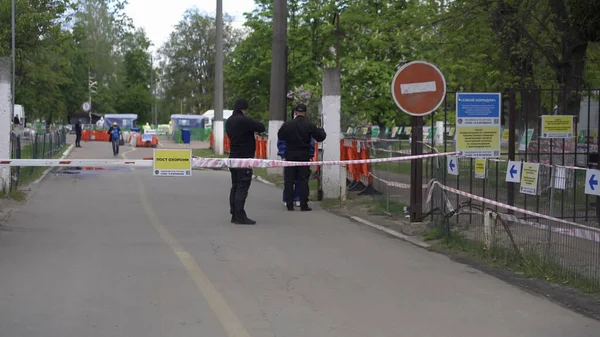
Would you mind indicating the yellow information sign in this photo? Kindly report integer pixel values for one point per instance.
(479, 141)
(172, 163)
(481, 168)
(557, 127)
(529, 178)
(505, 136)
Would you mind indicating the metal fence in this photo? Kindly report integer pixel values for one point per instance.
(567, 244)
(34, 146)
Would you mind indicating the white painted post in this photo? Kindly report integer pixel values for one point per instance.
(334, 176)
(489, 229)
(439, 133)
(5, 120)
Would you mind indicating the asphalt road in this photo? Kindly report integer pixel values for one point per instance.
(121, 253)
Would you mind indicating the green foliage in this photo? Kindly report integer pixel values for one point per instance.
(187, 64)
(60, 42)
(479, 45)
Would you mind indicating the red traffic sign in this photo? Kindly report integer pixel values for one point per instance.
(418, 88)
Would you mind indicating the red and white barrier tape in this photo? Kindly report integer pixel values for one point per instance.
(146, 162)
(580, 231)
(265, 163)
(394, 183)
(204, 162)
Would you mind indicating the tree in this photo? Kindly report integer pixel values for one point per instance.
(41, 66)
(188, 65)
(309, 39)
(135, 96)
(103, 25)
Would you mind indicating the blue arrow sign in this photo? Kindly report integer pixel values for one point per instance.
(452, 165)
(593, 182)
(513, 171)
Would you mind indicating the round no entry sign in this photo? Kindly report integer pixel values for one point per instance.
(418, 88)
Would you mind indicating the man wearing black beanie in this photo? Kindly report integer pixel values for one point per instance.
(240, 129)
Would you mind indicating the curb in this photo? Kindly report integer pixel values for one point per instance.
(392, 232)
(65, 155)
(264, 181)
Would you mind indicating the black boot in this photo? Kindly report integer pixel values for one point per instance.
(245, 221)
(305, 208)
(290, 206)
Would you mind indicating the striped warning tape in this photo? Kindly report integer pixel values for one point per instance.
(394, 183)
(205, 162)
(577, 230)
(146, 162)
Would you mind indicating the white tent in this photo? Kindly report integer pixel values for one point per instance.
(210, 115)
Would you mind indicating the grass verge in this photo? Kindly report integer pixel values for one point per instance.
(29, 174)
(529, 264)
(15, 195)
(206, 153)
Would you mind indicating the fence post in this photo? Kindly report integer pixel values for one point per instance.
(35, 146)
(512, 125)
(51, 145)
(549, 232)
(44, 147)
(387, 188)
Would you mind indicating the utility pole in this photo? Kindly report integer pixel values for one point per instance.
(152, 107)
(278, 89)
(218, 130)
(14, 61)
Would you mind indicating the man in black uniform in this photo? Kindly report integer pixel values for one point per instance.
(78, 131)
(297, 134)
(240, 129)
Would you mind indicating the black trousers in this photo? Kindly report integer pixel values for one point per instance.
(78, 139)
(115, 146)
(290, 176)
(241, 178)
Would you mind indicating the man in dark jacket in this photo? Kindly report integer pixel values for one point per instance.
(78, 131)
(281, 152)
(240, 129)
(297, 134)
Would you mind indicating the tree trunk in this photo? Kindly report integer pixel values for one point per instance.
(570, 75)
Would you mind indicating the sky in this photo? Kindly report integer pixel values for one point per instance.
(158, 17)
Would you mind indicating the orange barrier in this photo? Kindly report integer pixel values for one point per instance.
(358, 176)
(152, 143)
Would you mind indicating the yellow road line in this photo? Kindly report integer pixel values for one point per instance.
(229, 320)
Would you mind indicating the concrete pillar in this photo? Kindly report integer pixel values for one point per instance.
(5, 119)
(278, 90)
(334, 176)
(277, 104)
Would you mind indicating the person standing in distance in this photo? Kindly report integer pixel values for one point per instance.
(115, 136)
(78, 131)
(297, 134)
(240, 129)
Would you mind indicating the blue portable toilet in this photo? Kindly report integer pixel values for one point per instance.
(186, 136)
